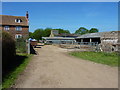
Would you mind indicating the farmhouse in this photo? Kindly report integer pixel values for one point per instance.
(17, 26)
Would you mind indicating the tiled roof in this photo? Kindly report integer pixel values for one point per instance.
(10, 20)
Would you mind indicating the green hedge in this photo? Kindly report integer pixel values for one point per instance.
(8, 49)
(21, 45)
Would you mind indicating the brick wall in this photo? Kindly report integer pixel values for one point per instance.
(24, 32)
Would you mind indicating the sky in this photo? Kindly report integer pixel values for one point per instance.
(66, 15)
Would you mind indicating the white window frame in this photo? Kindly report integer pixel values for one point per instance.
(17, 20)
(18, 36)
(18, 28)
(6, 28)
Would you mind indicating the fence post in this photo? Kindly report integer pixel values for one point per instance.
(28, 44)
(97, 46)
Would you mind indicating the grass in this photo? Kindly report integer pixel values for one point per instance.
(110, 59)
(15, 69)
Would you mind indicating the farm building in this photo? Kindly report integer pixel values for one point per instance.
(55, 33)
(56, 38)
(108, 41)
(90, 37)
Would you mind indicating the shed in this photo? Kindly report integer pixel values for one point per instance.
(90, 37)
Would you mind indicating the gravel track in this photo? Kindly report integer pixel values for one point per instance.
(52, 67)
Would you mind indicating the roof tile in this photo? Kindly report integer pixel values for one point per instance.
(10, 20)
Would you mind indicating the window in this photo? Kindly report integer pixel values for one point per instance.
(18, 20)
(18, 36)
(6, 28)
(18, 28)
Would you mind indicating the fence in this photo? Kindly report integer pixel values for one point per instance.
(81, 46)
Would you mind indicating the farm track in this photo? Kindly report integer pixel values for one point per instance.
(52, 67)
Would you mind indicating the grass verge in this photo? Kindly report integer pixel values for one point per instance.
(21, 62)
(110, 59)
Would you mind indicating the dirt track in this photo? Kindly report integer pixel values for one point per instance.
(54, 68)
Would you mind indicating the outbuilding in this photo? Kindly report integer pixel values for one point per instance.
(58, 40)
(90, 37)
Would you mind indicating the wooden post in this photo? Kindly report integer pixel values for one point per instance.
(90, 40)
(81, 40)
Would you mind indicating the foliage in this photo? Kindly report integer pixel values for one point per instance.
(15, 69)
(8, 49)
(110, 59)
(47, 32)
(82, 31)
(62, 31)
(21, 45)
(39, 33)
(93, 30)
(31, 35)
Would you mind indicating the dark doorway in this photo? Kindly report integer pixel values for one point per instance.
(96, 40)
(86, 40)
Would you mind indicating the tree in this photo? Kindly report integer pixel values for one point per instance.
(31, 35)
(47, 32)
(38, 34)
(82, 31)
(93, 30)
(62, 31)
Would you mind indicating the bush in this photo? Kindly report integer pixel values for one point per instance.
(8, 49)
(21, 45)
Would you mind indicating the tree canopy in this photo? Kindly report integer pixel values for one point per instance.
(83, 30)
(62, 31)
(47, 32)
(93, 30)
(39, 33)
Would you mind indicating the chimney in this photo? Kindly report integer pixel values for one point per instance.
(27, 15)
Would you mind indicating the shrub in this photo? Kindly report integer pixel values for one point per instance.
(8, 49)
(21, 45)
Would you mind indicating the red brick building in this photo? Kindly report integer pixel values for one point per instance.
(17, 26)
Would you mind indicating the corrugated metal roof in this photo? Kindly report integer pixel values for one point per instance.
(91, 35)
(111, 34)
(57, 38)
